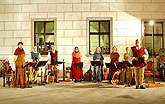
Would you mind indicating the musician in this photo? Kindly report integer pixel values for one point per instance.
(76, 57)
(126, 54)
(138, 54)
(127, 73)
(19, 60)
(34, 57)
(98, 73)
(52, 59)
(114, 56)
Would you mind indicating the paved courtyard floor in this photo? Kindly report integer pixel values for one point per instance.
(81, 93)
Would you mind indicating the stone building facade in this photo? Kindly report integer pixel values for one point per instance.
(72, 23)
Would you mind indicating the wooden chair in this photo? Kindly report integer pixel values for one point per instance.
(8, 75)
(28, 74)
(148, 71)
(50, 78)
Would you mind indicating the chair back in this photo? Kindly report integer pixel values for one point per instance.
(7, 67)
(149, 65)
(49, 66)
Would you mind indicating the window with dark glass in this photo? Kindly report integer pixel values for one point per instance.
(157, 29)
(43, 35)
(99, 36)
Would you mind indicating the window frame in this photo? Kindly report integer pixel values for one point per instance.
(41, 33)
(162, 35)
(33, 20)
(99, 33)
(87, 32)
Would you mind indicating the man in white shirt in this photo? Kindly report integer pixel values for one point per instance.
(52, 59)
(138, 55)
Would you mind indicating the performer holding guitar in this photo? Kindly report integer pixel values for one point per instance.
(138, 54)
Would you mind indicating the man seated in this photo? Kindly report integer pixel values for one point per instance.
(34, 57)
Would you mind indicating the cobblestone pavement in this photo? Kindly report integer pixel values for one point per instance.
(84, 92)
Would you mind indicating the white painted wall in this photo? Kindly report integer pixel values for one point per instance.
(16, 15)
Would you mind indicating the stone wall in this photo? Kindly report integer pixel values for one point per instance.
(16, 15)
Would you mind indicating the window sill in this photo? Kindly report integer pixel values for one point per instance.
(108, 55)
(44, 55)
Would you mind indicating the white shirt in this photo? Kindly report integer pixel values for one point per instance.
(130, 55)
(49, 57)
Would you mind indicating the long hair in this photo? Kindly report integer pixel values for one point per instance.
(114, 47)
(99, 49)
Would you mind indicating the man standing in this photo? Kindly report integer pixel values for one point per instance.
(35, 57)
(138, 55)
(52, 59)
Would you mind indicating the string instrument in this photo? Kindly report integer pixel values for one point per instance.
(115, 78)
(140, 62)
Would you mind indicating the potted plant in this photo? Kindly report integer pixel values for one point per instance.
(68, 73)
(105, 72)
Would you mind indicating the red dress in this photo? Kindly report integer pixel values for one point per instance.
(73, 73)
(114, 58)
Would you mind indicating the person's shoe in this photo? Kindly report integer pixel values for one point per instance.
(129, 85)
(25, 86)
(94, 81)
(30, 82)
(54, 80)
(57, 82)
(137, 87)
(142, 87)
(35, 82)
(22, 87)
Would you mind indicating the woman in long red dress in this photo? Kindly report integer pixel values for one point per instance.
(76, 57)
(114, 56)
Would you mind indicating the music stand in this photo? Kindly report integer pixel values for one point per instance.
(120, 65)
(128, 64)
(41, 64)
(110, 66)
(55, 72)
(29, 64)
(63, 70)
(57, 62)
(95, 63)
(77, 65)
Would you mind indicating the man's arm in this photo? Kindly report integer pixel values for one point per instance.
(15, 58)
(130, 55)
(40, 58)
(49, 58)
(146, 55)
(30, 57)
